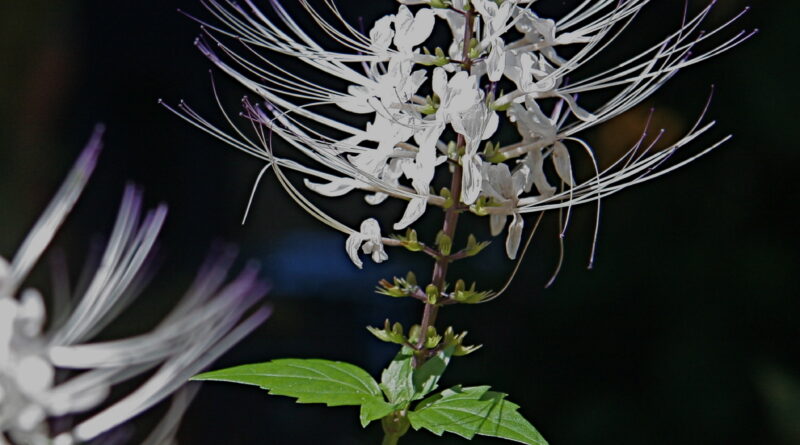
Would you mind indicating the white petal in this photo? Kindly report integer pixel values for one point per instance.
(471, 178)
(496, 62)
(352, 245)
(370, 228)
(339, 187)
(31, 312)
(356, 101)
(491, 125)
(375, 198)
(535, 162)
(562, 162)
(414, 210)
(34, 374)
(501, 180)
(497, 223)
(3, 269)
(514, 236)
(421, 28)
(463, 92)
(381, 34)
(520, 178)
(378, 254)
(439, 84)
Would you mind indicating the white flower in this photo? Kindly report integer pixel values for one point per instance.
(412, 30)
(457, 94)
(211, 318)
(504, 188)
(476, 124)
(402, 146)
(369, 240)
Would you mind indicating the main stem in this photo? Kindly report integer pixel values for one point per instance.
(451, 214)
(390, 439)
(440, 267)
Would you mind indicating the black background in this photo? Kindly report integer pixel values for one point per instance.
(685, 332)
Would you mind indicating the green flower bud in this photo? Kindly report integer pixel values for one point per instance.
(444, 243)
(411, 279)
(433, 339)
(413, 334)
(433, 294)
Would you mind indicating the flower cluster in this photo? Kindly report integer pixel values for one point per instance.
(50, 368)
(428, 110)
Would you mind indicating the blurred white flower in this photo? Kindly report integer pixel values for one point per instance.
(51, 369)
(514, 66)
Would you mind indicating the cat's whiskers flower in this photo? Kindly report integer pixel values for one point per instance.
(55, 370)
(399, 151)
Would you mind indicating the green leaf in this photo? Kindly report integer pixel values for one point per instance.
(397, 379)
(471, 411)
(307, 380)
(402, 383)
(426, 378)
(374, 409)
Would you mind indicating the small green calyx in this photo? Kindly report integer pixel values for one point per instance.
(444, 243)
(448, 197)
(481, 206)
(494, 106)
(456, 342)
(491, 153)
(474, 49)
(474, 247)
(433, 294)
(441, 57)
(391, 333)
(394, 333)
(468, 296)
(413, 334)
(431, 105)
(402, 287)
(409, 240)
(440, 4)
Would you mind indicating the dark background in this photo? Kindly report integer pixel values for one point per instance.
(686, 331)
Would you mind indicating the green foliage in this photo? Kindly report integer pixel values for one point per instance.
(426, 377)
(397, 379)
(403, 384)
(311, 381)
(464, 411)
(474, 411)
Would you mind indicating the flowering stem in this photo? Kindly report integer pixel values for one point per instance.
(451, 216)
